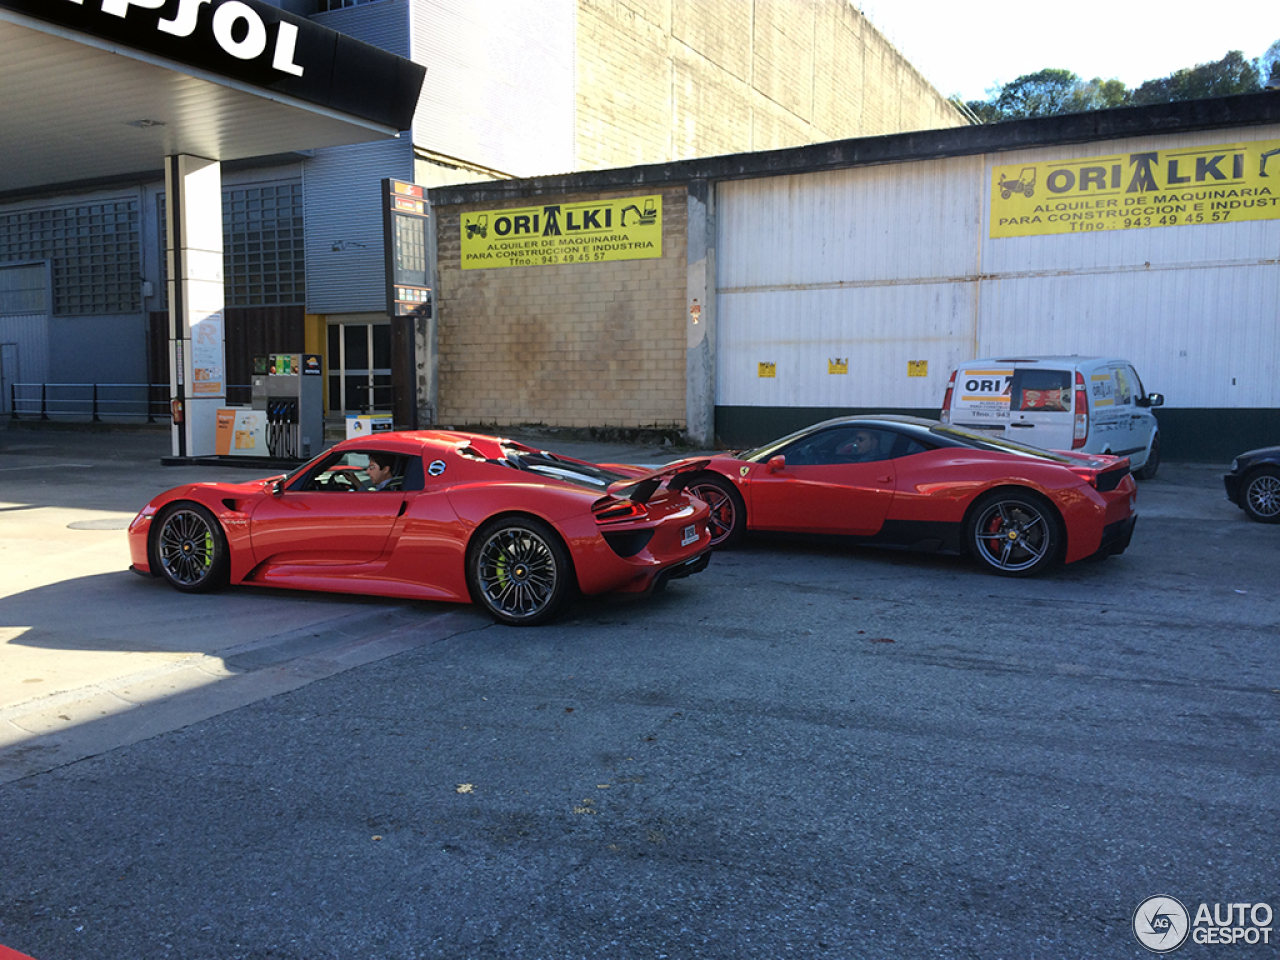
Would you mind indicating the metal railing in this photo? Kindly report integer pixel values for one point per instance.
(99, 402)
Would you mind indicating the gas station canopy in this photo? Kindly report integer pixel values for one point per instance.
(96, 89)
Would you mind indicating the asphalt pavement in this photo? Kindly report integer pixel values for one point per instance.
(805, 751)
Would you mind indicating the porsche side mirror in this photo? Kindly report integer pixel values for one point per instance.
(776, 464)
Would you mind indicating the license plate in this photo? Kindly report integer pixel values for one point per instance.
(688, 536)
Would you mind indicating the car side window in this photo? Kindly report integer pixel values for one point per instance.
(844, 444)
(348, 471)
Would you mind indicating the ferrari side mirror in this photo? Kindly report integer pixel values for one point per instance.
(277, 488)
(776, 463)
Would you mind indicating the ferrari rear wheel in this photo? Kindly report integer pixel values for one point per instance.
(1014, 534)
(190, 549)
(728, 517)
(518, 570)
(1261, 500)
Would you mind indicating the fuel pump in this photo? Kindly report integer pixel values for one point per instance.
(288, 387)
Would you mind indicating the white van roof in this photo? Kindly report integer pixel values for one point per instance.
(1061, 359)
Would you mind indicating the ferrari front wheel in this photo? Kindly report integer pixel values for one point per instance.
(190, 548)
(1014, 534)
(728, 517)
(519, 570)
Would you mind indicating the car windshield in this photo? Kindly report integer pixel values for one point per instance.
(549, 465)
(983, 441)
(760, 454)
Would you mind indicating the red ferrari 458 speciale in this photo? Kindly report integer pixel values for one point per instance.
(459, 517)
(912, 482)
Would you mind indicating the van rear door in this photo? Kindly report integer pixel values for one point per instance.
(1040, 407)
(980, 398)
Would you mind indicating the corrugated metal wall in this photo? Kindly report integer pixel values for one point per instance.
(342, 186)
(342, 197)
(874, 266)
(887, 265)
(30, 335)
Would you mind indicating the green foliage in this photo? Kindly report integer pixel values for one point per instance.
(1053, 91)
(1232, 74)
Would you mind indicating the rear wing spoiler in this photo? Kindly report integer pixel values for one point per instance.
(676, 475)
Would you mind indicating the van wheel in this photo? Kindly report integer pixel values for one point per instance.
(1014, 534)
(1148, 469)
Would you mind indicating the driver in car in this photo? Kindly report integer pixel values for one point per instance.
(864, 447)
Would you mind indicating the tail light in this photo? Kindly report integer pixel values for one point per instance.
(1081, 432)
(619, 511)
(946, 401)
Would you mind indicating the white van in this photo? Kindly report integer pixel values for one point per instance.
(1090, 404)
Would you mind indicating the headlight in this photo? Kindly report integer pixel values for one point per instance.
(1235, 466)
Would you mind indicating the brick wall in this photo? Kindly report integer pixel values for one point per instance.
(574, 345)
(663, 80)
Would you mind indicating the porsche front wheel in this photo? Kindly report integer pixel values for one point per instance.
(519, 571)
(190, 549)
(1014, 534)
(728, 513)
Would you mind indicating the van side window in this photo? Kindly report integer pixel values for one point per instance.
(1035, 389)
(1124, 387)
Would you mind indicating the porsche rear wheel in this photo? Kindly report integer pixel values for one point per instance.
(1014, 534)
(1261, 500)
(190, 549)
(728, 517)
(519, 571)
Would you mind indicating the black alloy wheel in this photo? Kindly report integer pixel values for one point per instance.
(190, 549)
(1014, 534)
(519, 571)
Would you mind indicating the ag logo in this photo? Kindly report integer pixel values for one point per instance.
(1161, 924)
(436, 468)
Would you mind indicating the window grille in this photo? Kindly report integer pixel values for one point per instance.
(94, 248)
(263, 260)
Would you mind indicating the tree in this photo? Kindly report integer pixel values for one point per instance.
(1269, 66)
(1051, 91)
(1231, 75)
(1040, 94)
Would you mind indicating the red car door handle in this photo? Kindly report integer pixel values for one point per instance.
(884, 479)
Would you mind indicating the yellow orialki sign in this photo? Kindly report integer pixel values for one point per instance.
(590, 232)
(1186, 186)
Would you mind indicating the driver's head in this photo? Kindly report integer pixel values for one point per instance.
(864, 442)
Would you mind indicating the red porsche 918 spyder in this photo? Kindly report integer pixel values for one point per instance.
(457, 517)
(919, 483)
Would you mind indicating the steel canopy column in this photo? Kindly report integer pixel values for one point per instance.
(197, 356)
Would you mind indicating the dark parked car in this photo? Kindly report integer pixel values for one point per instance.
(1253, 484)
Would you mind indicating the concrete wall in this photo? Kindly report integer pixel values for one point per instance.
(672, 79)
(574, 345)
